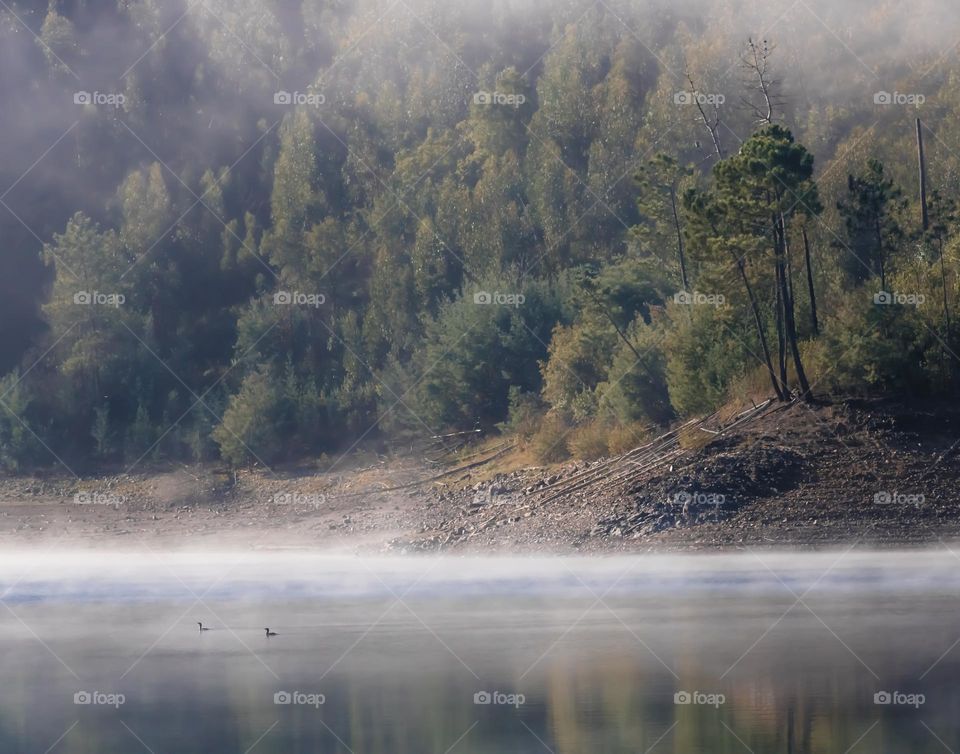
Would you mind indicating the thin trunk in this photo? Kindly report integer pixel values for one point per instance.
(790, 319)
(815, 326)
(781, 339)
(621, 333)
(781, 300)
(924, 212)
(789, 260)
(760, 332)
(676, 223)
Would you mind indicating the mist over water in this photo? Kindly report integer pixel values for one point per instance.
(117, 576)
(785, 650)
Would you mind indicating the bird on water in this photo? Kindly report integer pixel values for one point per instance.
(269, 632)
(202, 629)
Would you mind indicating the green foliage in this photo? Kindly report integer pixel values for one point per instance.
(705, 355)
(20, 449)
(478, 347)
(417, 184)
(250, 427)
(578, 361)
(892, 349)
(637, 390)
(662, 182)
(524, 413)
(871, 212)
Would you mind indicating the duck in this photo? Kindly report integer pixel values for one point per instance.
(269, 632)
(202, 629)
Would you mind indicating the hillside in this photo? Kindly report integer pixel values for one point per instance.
(253, 232)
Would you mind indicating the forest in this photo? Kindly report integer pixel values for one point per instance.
(257, 231)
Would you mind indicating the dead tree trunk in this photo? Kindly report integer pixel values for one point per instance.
(924, 210)
(712, 124)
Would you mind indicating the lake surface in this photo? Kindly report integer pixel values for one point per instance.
(756, 652)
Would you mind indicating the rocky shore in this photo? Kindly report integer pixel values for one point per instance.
(794, 475)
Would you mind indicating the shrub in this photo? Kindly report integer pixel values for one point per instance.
(549, 444)
(624, 437)
(705, 352)
(250, 427)
(636, 390)
(589, 441)
(525, 414)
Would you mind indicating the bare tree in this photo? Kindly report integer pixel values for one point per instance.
(764, 100)
(711, 120)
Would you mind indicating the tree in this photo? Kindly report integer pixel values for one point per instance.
(763, 98)
(943, 217)
(90, 302)
(746, 217)
(251, 428)
(661, 182)
(871, 213)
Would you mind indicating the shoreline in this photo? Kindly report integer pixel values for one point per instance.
(794, 477)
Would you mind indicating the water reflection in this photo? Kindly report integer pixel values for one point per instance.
(583, 668)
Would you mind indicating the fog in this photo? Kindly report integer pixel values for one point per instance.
(81, 575)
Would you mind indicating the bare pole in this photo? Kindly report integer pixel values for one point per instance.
(924, 211)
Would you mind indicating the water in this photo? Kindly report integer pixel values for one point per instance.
(393, 655)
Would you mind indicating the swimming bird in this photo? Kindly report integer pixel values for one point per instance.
(269, 632)
(201, 627)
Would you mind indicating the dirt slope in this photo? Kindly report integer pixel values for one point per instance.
(878, 473)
